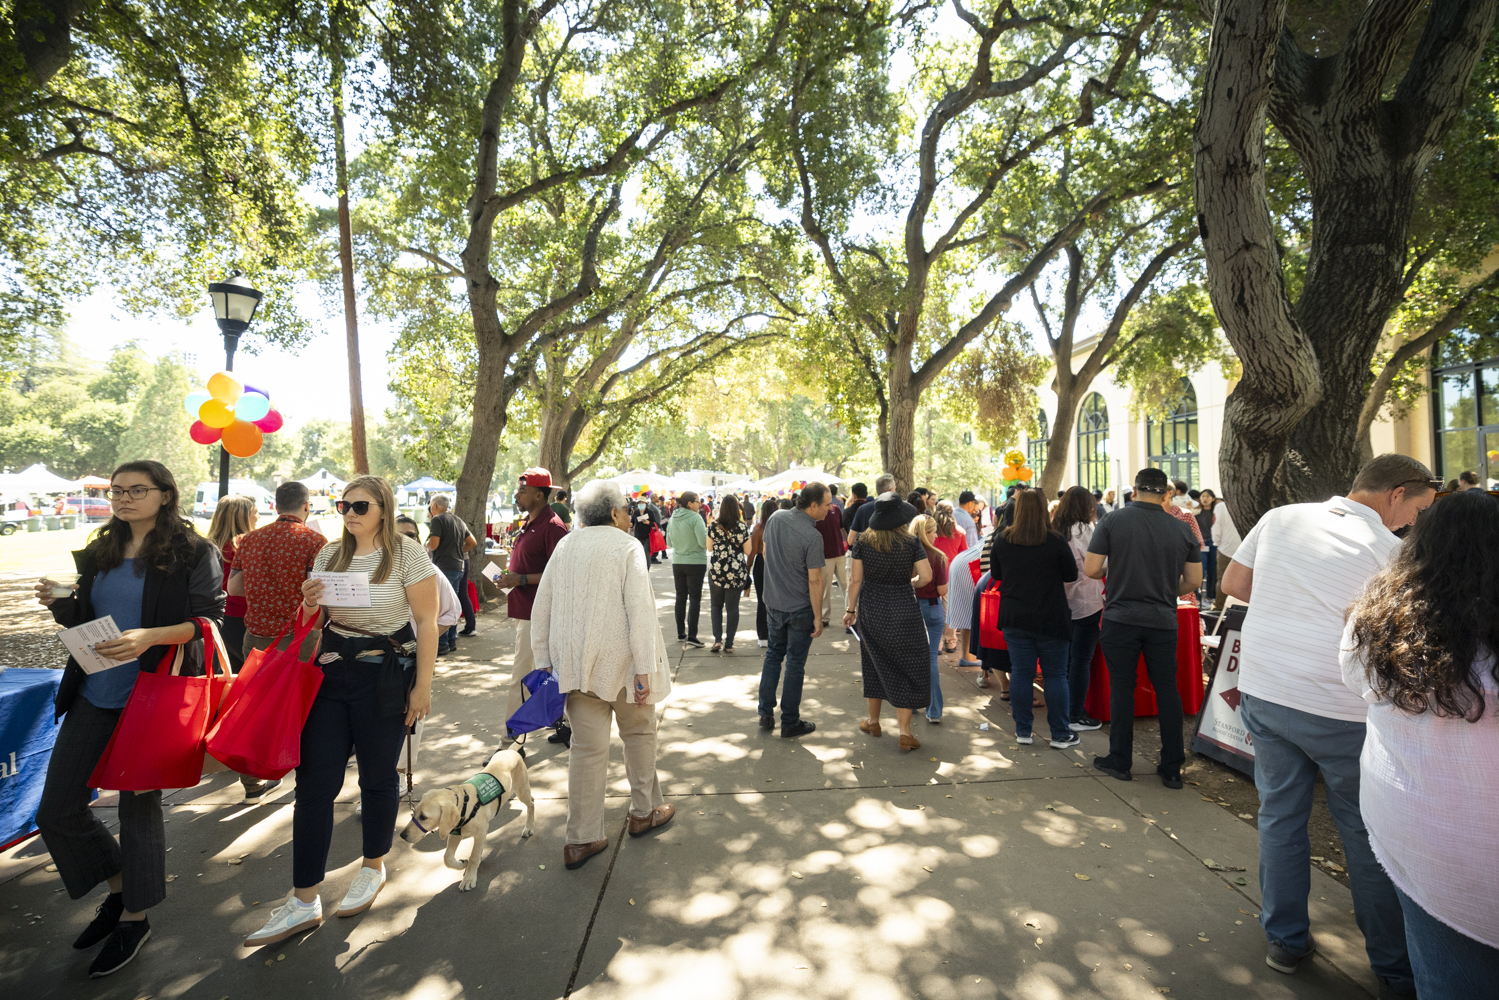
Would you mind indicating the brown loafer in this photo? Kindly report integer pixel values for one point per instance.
(910, 743)
(659, 817)
(873, 729)
(577, 855)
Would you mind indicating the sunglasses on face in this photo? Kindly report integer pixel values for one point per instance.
(357, 506)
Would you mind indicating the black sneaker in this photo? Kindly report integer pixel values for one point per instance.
(105, 918)
(1170, 780)
(1112, 769)
(1070, 740)
(469, 631)
(443, 649)
(563, 735)
(694, 643)
(256, 791)
(1085, 724)
(801, 727)
(123, 945)
(767, 720)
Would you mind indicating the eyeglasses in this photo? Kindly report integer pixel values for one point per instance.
(135, 492)
(357, 506)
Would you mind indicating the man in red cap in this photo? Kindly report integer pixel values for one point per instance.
(533, 547)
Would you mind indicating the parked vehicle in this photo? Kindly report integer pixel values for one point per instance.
(206, 497)
(91, 508)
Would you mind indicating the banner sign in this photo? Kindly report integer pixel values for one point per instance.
(1221, 733)
(27, 733)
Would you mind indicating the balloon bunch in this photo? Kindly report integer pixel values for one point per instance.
(1015, 471)
(639, 490)
(233, 414)
(796, 484)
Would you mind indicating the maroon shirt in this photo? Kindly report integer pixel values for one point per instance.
(939, 573)
(533, 548)
(831, 529)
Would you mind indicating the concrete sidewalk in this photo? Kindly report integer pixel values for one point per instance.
(832, 866)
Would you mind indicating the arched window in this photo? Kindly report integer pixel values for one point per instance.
(1093, 443)
(1171, 442)
(1037, 443)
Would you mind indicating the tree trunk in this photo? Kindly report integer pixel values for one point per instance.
(1069, 394)
(346, 246)
(900, 443)
(554, 443)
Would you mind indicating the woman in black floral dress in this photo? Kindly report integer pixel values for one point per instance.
(728, 571)
(888, 564)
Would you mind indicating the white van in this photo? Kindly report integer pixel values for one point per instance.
(206, 498)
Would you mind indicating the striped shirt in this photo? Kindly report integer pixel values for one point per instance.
(388, 609)
(1310, 562)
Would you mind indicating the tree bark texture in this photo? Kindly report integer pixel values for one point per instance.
(346, 246)
(1291, 427)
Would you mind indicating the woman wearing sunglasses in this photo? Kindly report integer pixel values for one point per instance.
(377, 681)
(150, 571)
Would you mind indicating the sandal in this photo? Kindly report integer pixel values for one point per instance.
(909, 743)
(1004, 696)
(872, 728)
(717, 648)
(728, 649)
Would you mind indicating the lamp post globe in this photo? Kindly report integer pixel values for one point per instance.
(234, 303)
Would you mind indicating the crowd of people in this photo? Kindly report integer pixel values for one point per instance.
(1366, 658)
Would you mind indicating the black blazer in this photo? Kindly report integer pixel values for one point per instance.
(194, 590)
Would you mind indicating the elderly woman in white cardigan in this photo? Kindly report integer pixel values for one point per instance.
(594, 626)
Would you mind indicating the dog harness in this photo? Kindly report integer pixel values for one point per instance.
(486, 788)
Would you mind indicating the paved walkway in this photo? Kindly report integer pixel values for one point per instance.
(832, 867)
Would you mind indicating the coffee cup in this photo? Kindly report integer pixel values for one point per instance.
(62, 584)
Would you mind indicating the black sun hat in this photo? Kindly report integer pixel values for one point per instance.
(890, 512)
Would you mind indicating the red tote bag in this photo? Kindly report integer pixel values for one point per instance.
(259, 732)
(158, 742)
(658, 541)
(990, 636)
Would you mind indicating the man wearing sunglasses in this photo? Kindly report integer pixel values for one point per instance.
(529, 555)
(1300, 568)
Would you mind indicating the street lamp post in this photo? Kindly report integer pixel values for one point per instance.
(234, 304)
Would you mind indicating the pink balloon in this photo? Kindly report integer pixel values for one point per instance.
(271, 422)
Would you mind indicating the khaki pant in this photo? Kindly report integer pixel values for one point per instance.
(588, 761)
(834, 567)
(525, 662)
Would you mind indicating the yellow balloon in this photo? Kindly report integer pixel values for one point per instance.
(224, 387)
(216, 413)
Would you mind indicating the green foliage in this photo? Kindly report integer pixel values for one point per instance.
(992, 386)
(63, 410)
(1169, 336)
(158, 429)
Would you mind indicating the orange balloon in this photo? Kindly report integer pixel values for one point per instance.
(1024, 473)
(1008, 472)
(216, 413)
(225, 387)
(242, 439)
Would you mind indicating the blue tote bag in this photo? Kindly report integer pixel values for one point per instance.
(542, 707)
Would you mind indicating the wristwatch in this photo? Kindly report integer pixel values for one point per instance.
(522, 578)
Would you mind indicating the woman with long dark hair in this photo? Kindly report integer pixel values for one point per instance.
(1033, 565)
(728, 573)
(1420, 647)
(768, 506)
(150, 571)
(1206, 501)
(1073, 520)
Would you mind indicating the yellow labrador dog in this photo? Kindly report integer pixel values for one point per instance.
(464, 812)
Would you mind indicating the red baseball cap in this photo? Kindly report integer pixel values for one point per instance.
(536, 477)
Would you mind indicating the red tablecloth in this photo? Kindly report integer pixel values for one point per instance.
(1188, 673)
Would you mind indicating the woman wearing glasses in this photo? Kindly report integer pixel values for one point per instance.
(377, 681)
(150, 571)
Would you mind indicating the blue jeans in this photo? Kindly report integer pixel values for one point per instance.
(1080, 663)
(1448, 963)
(1026, 647)
(460, 586)
(1290, 747)
(790, 638)
(935, 625)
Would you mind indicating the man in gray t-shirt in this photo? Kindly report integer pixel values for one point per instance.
(1148, 558)
(793, 589)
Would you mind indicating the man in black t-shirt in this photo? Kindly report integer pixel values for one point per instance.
(449, 541)
(1150, 559)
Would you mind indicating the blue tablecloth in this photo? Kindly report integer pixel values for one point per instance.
(27, 733)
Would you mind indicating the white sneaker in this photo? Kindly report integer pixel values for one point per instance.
(761, 643)
(1025, 740)
(367, 885)
(287, 919)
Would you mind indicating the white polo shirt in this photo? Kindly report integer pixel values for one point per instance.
(1310, 561)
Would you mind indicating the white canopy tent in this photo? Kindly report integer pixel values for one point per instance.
(653, 481)
(323, 480)
(795, 474)
(35, 480)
